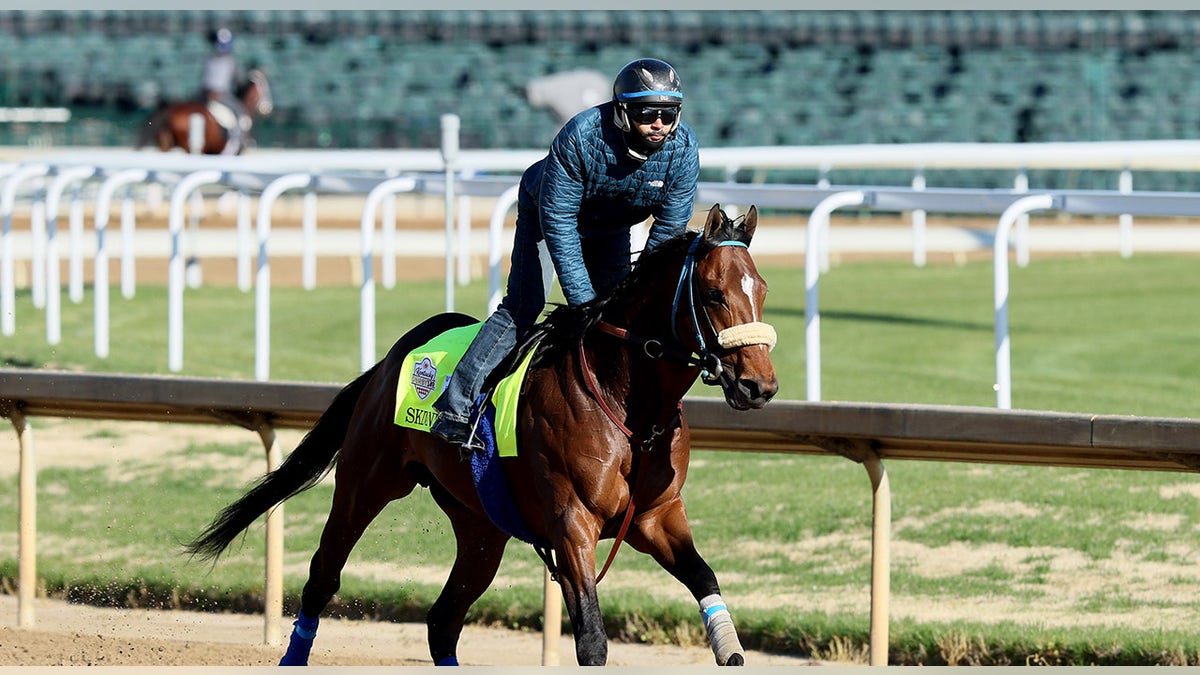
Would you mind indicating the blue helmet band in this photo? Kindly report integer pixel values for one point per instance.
(643, 94)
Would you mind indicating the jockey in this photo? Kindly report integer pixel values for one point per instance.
(218, 81)
(609, 168)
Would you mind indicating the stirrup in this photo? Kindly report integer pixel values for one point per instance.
(472, 442)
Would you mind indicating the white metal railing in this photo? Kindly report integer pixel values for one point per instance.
(62, 179)
(367, 289)
(118, 180)
(262, 281)
(255, 175)
(1116, 156)
(8, 196)
(1081, 202)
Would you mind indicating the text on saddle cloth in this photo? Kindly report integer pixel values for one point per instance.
(427, 370)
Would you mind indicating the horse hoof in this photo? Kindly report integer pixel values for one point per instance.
(736, 660)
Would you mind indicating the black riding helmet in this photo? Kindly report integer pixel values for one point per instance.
(645, 82)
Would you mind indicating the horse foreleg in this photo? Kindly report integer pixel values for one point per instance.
(355, 505)
(665, 535)
(575, 552)
(480, 550)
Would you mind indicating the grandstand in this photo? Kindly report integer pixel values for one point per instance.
(378, 79)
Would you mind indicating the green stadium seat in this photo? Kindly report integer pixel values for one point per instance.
(800, 76)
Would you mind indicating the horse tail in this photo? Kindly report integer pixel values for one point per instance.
(312, 459)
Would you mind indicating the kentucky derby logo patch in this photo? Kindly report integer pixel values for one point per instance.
(427, 369)
(423, 370)
(424, 377)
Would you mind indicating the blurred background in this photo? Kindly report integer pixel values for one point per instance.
(381, 79)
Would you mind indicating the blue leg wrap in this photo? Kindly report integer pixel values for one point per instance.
(447, 661)
(303, 632)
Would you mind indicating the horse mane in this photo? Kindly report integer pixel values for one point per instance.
(565, 325)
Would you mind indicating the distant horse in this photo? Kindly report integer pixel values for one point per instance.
(169, 126)
(603, 444)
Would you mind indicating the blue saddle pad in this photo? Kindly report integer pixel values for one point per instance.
(492, 485)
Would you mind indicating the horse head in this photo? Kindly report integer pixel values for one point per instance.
(695, 301)
(719, 308)
(257, 94)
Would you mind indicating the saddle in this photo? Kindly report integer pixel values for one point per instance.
(227, 118)
(427, 369)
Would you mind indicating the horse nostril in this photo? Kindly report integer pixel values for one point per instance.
(754, 391)
(750, 389)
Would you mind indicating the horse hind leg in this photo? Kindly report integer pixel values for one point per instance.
(355, 504)
(480, 548)
(668, 539)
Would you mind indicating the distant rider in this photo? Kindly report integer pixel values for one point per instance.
(218, 83)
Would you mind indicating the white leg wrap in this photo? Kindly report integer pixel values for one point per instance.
(722, 636)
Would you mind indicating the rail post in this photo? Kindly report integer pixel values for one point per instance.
(273, 588)
(175, 266)
(367, 292)
(1125, 220)
(817, 221)
(8, 200)
(262, 282)
(450, 125)
(53, 281)
(100, 271)
(1015, 212)
(495, 233)
(26, 514)
(881, 557)
(920, 246)
(551, 619)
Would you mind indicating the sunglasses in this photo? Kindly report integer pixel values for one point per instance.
(647, 114)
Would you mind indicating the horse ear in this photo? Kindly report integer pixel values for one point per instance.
(750, 222)
(716, 218)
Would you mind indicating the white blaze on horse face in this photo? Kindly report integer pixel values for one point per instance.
(748, 284)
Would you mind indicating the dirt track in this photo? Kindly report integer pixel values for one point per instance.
(75, 635)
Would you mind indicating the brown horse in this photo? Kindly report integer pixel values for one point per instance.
(169, 126)
(604, 445)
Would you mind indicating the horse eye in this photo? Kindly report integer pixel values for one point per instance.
(714, 296)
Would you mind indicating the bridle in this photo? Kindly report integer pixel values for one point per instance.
(705, 357)
(755, 332)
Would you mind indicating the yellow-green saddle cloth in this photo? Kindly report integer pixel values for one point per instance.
(424, 375)
(426, 371)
